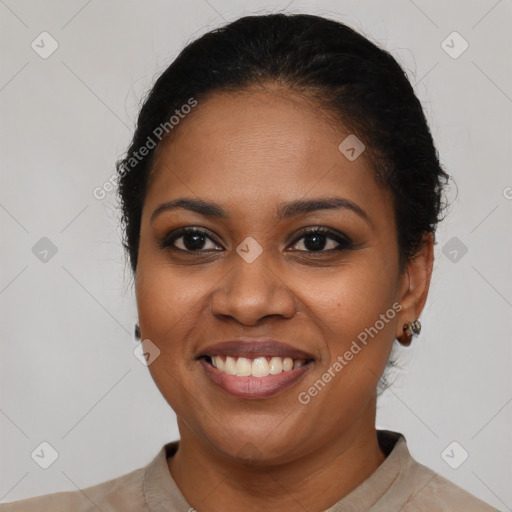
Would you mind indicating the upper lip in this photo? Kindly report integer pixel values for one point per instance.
(251, 347)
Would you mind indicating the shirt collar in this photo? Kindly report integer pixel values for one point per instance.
(376, 486)
(162, 494)
(160, 490)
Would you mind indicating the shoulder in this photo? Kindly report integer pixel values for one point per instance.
(432, 492)
(409, 486)
(121, 493)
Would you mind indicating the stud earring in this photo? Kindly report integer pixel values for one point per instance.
(137, 332)
(409, 330)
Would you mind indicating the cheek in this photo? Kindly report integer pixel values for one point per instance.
(168, 308)
(168, 303)
(348, 302)
(356, 312)
(356, 318)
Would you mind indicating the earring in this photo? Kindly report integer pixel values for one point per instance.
(409, 330)
(137, 332)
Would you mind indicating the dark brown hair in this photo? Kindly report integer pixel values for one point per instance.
(357, 82)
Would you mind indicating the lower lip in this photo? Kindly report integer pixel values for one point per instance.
(254, 387)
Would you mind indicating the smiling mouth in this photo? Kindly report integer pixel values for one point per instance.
(258, 367)
(254, 367)
(255, 377)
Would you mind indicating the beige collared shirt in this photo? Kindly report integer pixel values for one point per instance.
(398, 484)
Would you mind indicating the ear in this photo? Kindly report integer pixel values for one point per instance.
(415, 283)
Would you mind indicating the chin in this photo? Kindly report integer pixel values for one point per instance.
(256, 440)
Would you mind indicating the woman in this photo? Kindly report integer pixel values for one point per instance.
(280, 199)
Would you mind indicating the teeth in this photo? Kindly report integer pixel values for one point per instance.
(258, 367)
(229, 366)
(219, 363)
(276, 365)
(243, 367)
(287, 364)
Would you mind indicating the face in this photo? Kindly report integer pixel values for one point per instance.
(285, 249)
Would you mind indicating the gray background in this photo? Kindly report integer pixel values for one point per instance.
(68, 373)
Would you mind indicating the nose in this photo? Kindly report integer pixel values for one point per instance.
(250, 292)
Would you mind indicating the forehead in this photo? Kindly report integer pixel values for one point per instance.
(256, 147)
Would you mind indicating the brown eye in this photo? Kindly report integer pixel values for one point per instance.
(189, 240)
(322, 240)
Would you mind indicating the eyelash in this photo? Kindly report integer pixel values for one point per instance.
(344, 241)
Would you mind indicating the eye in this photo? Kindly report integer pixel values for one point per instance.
(189, 240)
(316, 240)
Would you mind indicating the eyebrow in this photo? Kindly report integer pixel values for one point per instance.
(285, 210)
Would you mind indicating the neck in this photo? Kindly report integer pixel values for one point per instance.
(314, 482)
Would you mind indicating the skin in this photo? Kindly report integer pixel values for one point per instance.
(249, 153)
